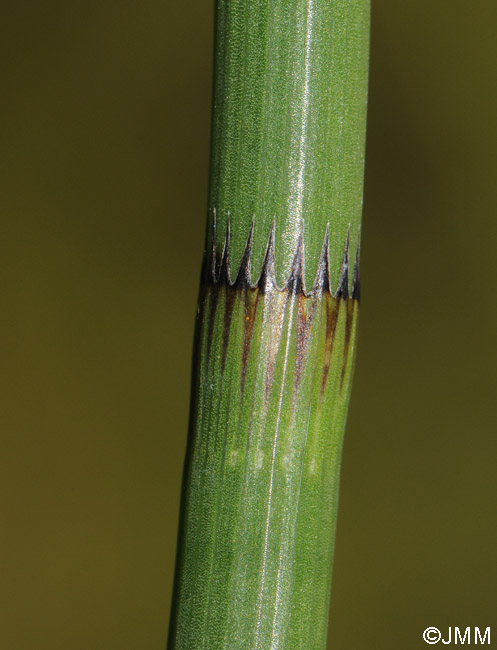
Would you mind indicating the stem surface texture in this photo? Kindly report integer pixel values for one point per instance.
(276, 326)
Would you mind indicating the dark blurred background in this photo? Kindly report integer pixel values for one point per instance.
(104, 136)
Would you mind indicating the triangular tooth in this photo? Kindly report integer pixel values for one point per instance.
(356, 285)
(266, 280)
(224, 271)
(243, 277)
(295, 282)
(322, 279)
(343, 283)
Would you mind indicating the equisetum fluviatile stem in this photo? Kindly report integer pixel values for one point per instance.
(276, 327)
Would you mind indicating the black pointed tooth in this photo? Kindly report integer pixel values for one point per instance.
(266, 279)
(243, 277)
(356, 285)
(224, 269)
(343, 283)
(295, 282)
(322, 279)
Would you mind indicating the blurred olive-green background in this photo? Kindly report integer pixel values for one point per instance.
(104, 137)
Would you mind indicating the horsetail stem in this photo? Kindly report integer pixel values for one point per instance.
(276, 328)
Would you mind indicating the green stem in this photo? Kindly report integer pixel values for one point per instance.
(277, 323)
